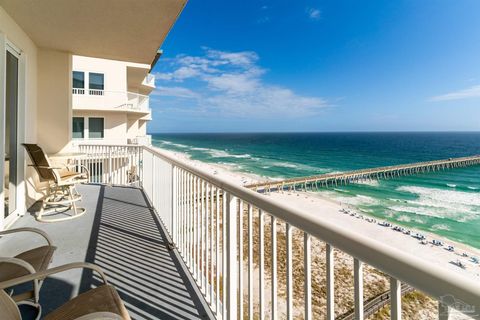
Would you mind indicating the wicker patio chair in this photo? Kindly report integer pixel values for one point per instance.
(61, 194)
(102, 302)
(28, 262)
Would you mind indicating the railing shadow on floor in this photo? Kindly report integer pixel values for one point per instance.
(129, 243)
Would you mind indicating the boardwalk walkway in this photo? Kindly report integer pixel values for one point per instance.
(374, 304)
(335, 179)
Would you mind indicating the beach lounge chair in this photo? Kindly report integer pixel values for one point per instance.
(28, 262)
(61, 194)
(102, 302)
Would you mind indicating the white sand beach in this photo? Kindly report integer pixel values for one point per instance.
(330, 210)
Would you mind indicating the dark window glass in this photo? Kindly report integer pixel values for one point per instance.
(95, 81)
(78, 126)
(78, 80)
(95, 128)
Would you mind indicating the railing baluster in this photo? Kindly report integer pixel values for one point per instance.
(224, 255)
(180, 213)
(204, 242)
(262, 264)
(395, 299)
(240, 259)
(207, 244)
(232, 276)
(307, 260)
(211, 218)
(192, 223)
(289, 273)
(443, 311)
(188, 226)
(184, 215)
(174, 204)
(330, 282)
(197, 229)
(217, 250)
(274, 267)
(358, 282)
(250, 261)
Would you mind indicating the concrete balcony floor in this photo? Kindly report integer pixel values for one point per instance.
(120, 233)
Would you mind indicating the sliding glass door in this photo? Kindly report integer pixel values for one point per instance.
(11, 132)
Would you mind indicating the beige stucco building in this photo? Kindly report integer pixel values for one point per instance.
(43, 44)
(110, 101)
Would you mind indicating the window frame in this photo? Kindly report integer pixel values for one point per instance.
(73, 79)
(90, 83)
(83, 128)
(90, 128)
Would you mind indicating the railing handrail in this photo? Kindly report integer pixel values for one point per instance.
(107, 145)
(113, 91)
(434, 280)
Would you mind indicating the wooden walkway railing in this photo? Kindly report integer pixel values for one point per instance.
(376, 303)
(343, 178)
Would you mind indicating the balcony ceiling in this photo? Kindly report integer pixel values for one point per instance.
(135, 77)
(128, 30)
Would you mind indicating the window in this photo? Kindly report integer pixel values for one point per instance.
(78, 126)
(95, 81)
(78, 80)
(95, 128)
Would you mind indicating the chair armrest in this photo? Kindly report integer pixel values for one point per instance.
(25, 229)
(45, 167)
(101, 315)
(19, 262)
(49, 272)
(85, 169)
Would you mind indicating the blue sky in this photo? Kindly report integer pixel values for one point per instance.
(320, 66)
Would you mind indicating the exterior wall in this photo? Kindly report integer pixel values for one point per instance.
(54, 100)
(116, 99)
(27, 112)
(142, 127)
(115, 127)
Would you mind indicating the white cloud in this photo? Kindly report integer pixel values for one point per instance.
(472, 92)
(314, 14)
(231, 83)
(177, 92)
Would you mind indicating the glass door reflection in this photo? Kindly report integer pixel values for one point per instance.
(10, 134)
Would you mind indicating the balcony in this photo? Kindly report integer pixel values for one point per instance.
(121, 234)
(118, 101)
(145, 140)
(235, 253)
(149, 80)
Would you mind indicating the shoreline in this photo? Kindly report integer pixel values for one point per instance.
(330, 209)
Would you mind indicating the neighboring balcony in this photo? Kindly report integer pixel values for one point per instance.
(149, 81)
(103, 100)
(145, 140)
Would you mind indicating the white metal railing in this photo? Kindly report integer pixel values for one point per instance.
(212, 220)
(112, 164)
(242, 249)
(96, 92)
(98, 99)
(145, 140)
(78, 91)
(137, 101)
(149, 80)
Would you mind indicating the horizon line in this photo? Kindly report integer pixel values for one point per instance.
(278, 132)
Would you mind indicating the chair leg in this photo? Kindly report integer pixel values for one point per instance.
(72, 205)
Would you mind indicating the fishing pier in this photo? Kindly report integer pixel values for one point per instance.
(314, 183)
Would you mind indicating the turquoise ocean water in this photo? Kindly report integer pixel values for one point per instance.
(446, 203)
